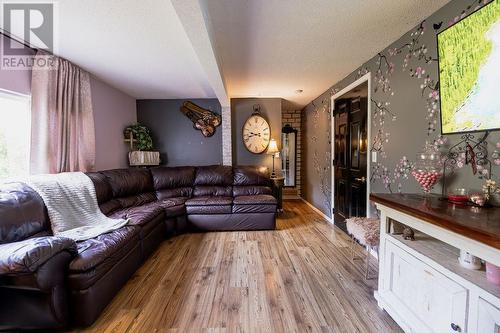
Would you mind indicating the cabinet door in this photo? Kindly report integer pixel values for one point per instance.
(488, 318)
(427, 300)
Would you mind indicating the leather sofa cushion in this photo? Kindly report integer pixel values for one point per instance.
(251, 175)
(43, 233)
(172, 178)
(104, 249)
(254, 204)
(49, 274)
(209, 201)
(147, 216)
(173, 201)
(110, 206)
(219, 191)
(209, 205)
(174, 192)
(139, 216)
(136, 200)
(28, 255)
(128, 182)
(263, 199)
(257, 208)
(251, 190)
(219, 222)
(22, 213)
(103, 190)
(172, 207)
(208, 210)
(99, 255)
(173, 182)
(175, 211)
(214, 175)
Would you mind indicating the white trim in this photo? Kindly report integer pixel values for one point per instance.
(323, 215)
(15, 94)
(361, 80)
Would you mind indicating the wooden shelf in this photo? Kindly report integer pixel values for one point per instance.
(477, 223)
(447, 256)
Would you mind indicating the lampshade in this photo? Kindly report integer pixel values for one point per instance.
(273, 147)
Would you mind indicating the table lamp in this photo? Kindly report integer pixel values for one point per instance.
(273, 150)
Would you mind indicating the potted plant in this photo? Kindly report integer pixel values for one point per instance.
(141, 144)
(139, 137)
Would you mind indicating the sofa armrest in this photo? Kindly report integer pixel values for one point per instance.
(27, 256)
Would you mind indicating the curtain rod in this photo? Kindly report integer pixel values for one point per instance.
(9, 35)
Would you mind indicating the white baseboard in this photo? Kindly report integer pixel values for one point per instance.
(326, 217)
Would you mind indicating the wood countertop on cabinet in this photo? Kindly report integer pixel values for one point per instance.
(479, 223)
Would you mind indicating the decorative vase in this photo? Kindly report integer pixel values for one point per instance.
(428, 168)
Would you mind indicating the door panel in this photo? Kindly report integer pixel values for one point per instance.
(358, 156)
(341, 167)
(355, 145)
(430, 301)
(488, 320)
(350, 119)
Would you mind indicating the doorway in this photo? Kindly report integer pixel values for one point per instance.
(350, 151)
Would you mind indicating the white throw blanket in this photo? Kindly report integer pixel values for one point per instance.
(72, 206)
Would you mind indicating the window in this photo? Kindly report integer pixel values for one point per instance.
(15, 133)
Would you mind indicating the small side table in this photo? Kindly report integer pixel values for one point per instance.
(278, 183)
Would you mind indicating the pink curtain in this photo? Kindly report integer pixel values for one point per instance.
(62, 121)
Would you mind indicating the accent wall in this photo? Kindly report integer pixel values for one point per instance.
(241, 110)
(404, 111)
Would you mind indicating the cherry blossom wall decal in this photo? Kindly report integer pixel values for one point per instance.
(411, 55)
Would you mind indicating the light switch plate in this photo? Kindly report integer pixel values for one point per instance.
(374, 156)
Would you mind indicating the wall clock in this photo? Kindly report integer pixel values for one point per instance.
(256, 132)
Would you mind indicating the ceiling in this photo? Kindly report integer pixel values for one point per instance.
(139, 47)
(271, 48)
(233, 48)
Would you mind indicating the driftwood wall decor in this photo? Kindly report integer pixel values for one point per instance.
(204, 120)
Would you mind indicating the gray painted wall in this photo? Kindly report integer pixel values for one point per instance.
(401, 137)
(174, 135)
(241, 110)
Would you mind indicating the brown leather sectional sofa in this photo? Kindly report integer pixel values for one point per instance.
(51, 282)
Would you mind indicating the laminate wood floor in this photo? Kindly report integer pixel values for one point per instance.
(298, 278)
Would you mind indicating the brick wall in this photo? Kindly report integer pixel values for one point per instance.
(294, 119)
(227, 156)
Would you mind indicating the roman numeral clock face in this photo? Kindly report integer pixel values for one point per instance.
(256, 134)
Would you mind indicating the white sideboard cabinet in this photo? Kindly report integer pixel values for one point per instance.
(421, 284)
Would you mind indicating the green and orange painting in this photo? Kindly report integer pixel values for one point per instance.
(469, 72)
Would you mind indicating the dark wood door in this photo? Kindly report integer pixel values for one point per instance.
(341, 162)
(350, 159)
